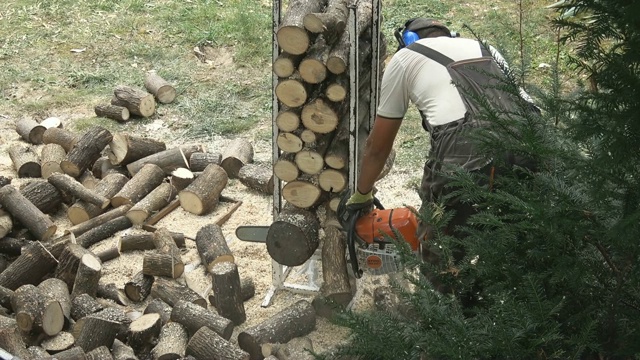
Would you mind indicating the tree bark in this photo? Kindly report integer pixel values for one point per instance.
(84, 305)
(27, 307)
(237, 154)
(68, 184)
(139, 287)
(99, 353)
(69, 260)
(27, 213)
(85, 226)
(293, 237)
(206, 344)
(112, 292)
(161, 308)
(143, 332)
(154, 201)
(107, 254)
(46, 197)
(139, 102)
(193, 317)
(226, 286)
(172, 342)
(141, 184)
(57, 290)
(159, 87)
(198, 161)
(171, 292)
(122, 351)
(125, 148)
(144, 241)
(30, 130)
(87, 276)
(59, 136)
(212, 246)
(168, 160)
(86, 151)
(203, 194)
(114, 112)
(109, 186)
(51, 155)
(25, 161)
(103, 231)
(93, 331)
(257, 177)
(11, 338)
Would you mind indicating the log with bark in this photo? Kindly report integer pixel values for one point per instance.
(291, 36)
(181, 178)
(312, 68)
(33, 310)
(166, 259)
(172, 342)
(25, 160)
(122, 351)
(288, 119)
(226, 286)
(62, 137)
(30, 130)
(257, 177)
(115, 112)
(111, 292)
(161, 308)
(39, 224)
(198, 161)
(84, 305)
(247, 291)
(194, 317)
(168, 160)
(70, 185)
(99, 353)
(6, 225)
(86, 151)
(212, 246)
(141, 184)
(144, 241)
(56, 290)
(138, 101)
(286, 64)
(143, 333)
(139, 287)
(236, 154)
(69, 260)
(158, 198)
(172, 292)
(125, 148)
(46, 197)
(51, 156)
(109, 186)
(304, 193)
(289, 142)
(74, 353)
(322, 116)
(159, 87)
(87, 276)
(203, 194)
(293, 237)
(103, 231)
(11, 338)
(285, 167)
(85, 226)
(207, 344)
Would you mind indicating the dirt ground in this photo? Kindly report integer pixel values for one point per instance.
(252, 258)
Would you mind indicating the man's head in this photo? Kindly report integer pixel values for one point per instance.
(420, 28)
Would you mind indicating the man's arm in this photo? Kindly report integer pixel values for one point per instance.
(376, 150)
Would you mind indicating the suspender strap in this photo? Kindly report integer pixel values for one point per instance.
(438, 56)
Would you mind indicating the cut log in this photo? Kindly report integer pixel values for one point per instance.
(141, 184)
(288, 119)
(87, 276)
(292, 92)
(247, 290)
(51, 155)
(159, 87)
(12, 246)
(75, 353)
(25, 161)
(168, 160)
(27, 307)
(59, 136)
(143, 333)
(161, 308)
(85, 226)
(26, 213)
(285, 168)
(144, 241)
(293, 237)
(312, 68)
(286, 64)
(206, 344)
(107, 254)
(61, 342)
(332, 22)
(161, 214)
(301, 193)
(203, 194)
(296, 349)
(99, 353)
(212, 246)
(320, 116)
(109, 186)
(289, 142)
(337, 88)
(51, 121)
(56, 290)
(11, 338)
(93, 331)
(122, 351)
(337, 155)
(257, 177)
(103, 231)
(68, 184)
(171, 292)
(293, 321)
(30, 130)
(332, 180)
(166, 260)
(112, 292)
(338, 59)
(307, 136)
(158, 198)
(310, 161)
(119, 316)
(291, 36)
(46, 197)
(6, 224)
(172, 342)
(115, 112)
(181, 178)
(5, 297)
(84, 305)
(139, 102)
(238, 153)
(226, 286)
(139, 287)
(198, 161)
(125, 149)
(70, 258)
(86, 151)
(193, 317)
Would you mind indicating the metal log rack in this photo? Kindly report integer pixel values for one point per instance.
(280, 273)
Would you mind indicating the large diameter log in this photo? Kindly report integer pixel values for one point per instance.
(301, 193)
(293, 237)
(143, 333)
(86, 151)
(85, 226)
(159, 87)
(292, 92)
(70, 185)
(103, 231)
(203, 194)
(126, 148)
(139, 287)
(226, 286)
(59, 136)
(291, 36)
(320, 116)
(207, 344)
(257, 177)
(237, 154)
(25, 161)
(200, 160)
(51, 156)
(293, 321)
(171, 292)
(158, 198)
(36, 310)
(212, 246)
(109, 186)
(46, 197)
(99, 353)
(30, 130)
(139, 102)
(115, 112)
(145, 241)
(87, 276)
(193, 317)
(310, 161)
(141, 184)
(168, 160)
(27, 213)
(172, 342)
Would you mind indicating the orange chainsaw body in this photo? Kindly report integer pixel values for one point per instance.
(371, 227)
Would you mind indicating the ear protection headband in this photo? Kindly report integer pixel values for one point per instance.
(407, 34)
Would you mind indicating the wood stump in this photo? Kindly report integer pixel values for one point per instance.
(172, 292)
(168, 160)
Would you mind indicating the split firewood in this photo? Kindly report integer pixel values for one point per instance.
(86, 151)
(93, 331)
(74, 353)
(292, 91)
(59, 136)
(125, 148)
(293, 237)
(237, 154)
(182, 177)
(25, 161)
(144, 241)
(288, 119)
(122, 351)
(312, 68)
(165, 260)
(138, 101)
(61, 342)
(202, 195)
(247, 291)
(51, 156)
(87, 276)
(171, 292)
(30, 130)
(293, 321)
(141, 184)
(109, 186)
(226, 286)
(291, 36)
(158, 198)
(286, 64)
(289, 142)
(55, 290)
(285, 168)
(207, 344)
(159, 87)
(99, 353)
(27, 213)
(139, 287)
(11, 338)
(168, 160)
(103, 231)
(85, 226)
(143, 333)
(70, 185)
(161, 308)
(112, 292)
(172, 342)
(46, 197)
(115, 112)
(6, 225)
(193, 317)
(84, 305)
(257, 177)
(198, 161)
(212, 246)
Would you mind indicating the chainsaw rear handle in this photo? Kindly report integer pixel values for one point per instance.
(351, 229)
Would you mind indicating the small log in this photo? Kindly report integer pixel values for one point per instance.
(181, 178)
(193, 317)
(172, 342)
(93, 331)
(143, 333)
(203, 194)
(99, 353)
(168, 160)
(29, 268)
(247, 291)
(103, 167)
(87, 276)
(166, 260)
(289, 142)
(55, 290)
(60, 342)
(115, 112)
(286, 64)
(51, 121)
(59, 136)
(69, 260)
(293, 237)
(86, 151)
(293, 321)
(171, 292)
(46, 197)
(207, 344)
(302, 193)
(68, 184)
(122, 351)
(336, 288)
(237, 154)
(198, 161)
(226, 286)
(292, 92)
(141, 184)
(307, 136)
(291, 36)
(139, 287)
(337, 89)
(85, 226)
(75, 353)
(332, 180)
(11, 338)
(30, 130)
(125, 148)
(109, 186)
(159, 87)
(25, 161)
(112, 292)
(257, 177)
(332, 20)
(288, 119)
(139, 102)
(312, 68)
(103, 231)
(285, 168)
(144, 241)
(107, 254)
(158, 198)
(51, 155)
(84, 305)
(212, 246)
(28, 307)
(338, 59)
(161, 308)
(6, 225)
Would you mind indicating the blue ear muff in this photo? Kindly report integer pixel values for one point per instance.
(409, 37)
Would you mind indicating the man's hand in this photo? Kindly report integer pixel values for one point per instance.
(359, 201)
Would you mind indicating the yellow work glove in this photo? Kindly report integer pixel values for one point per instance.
(359, 201)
